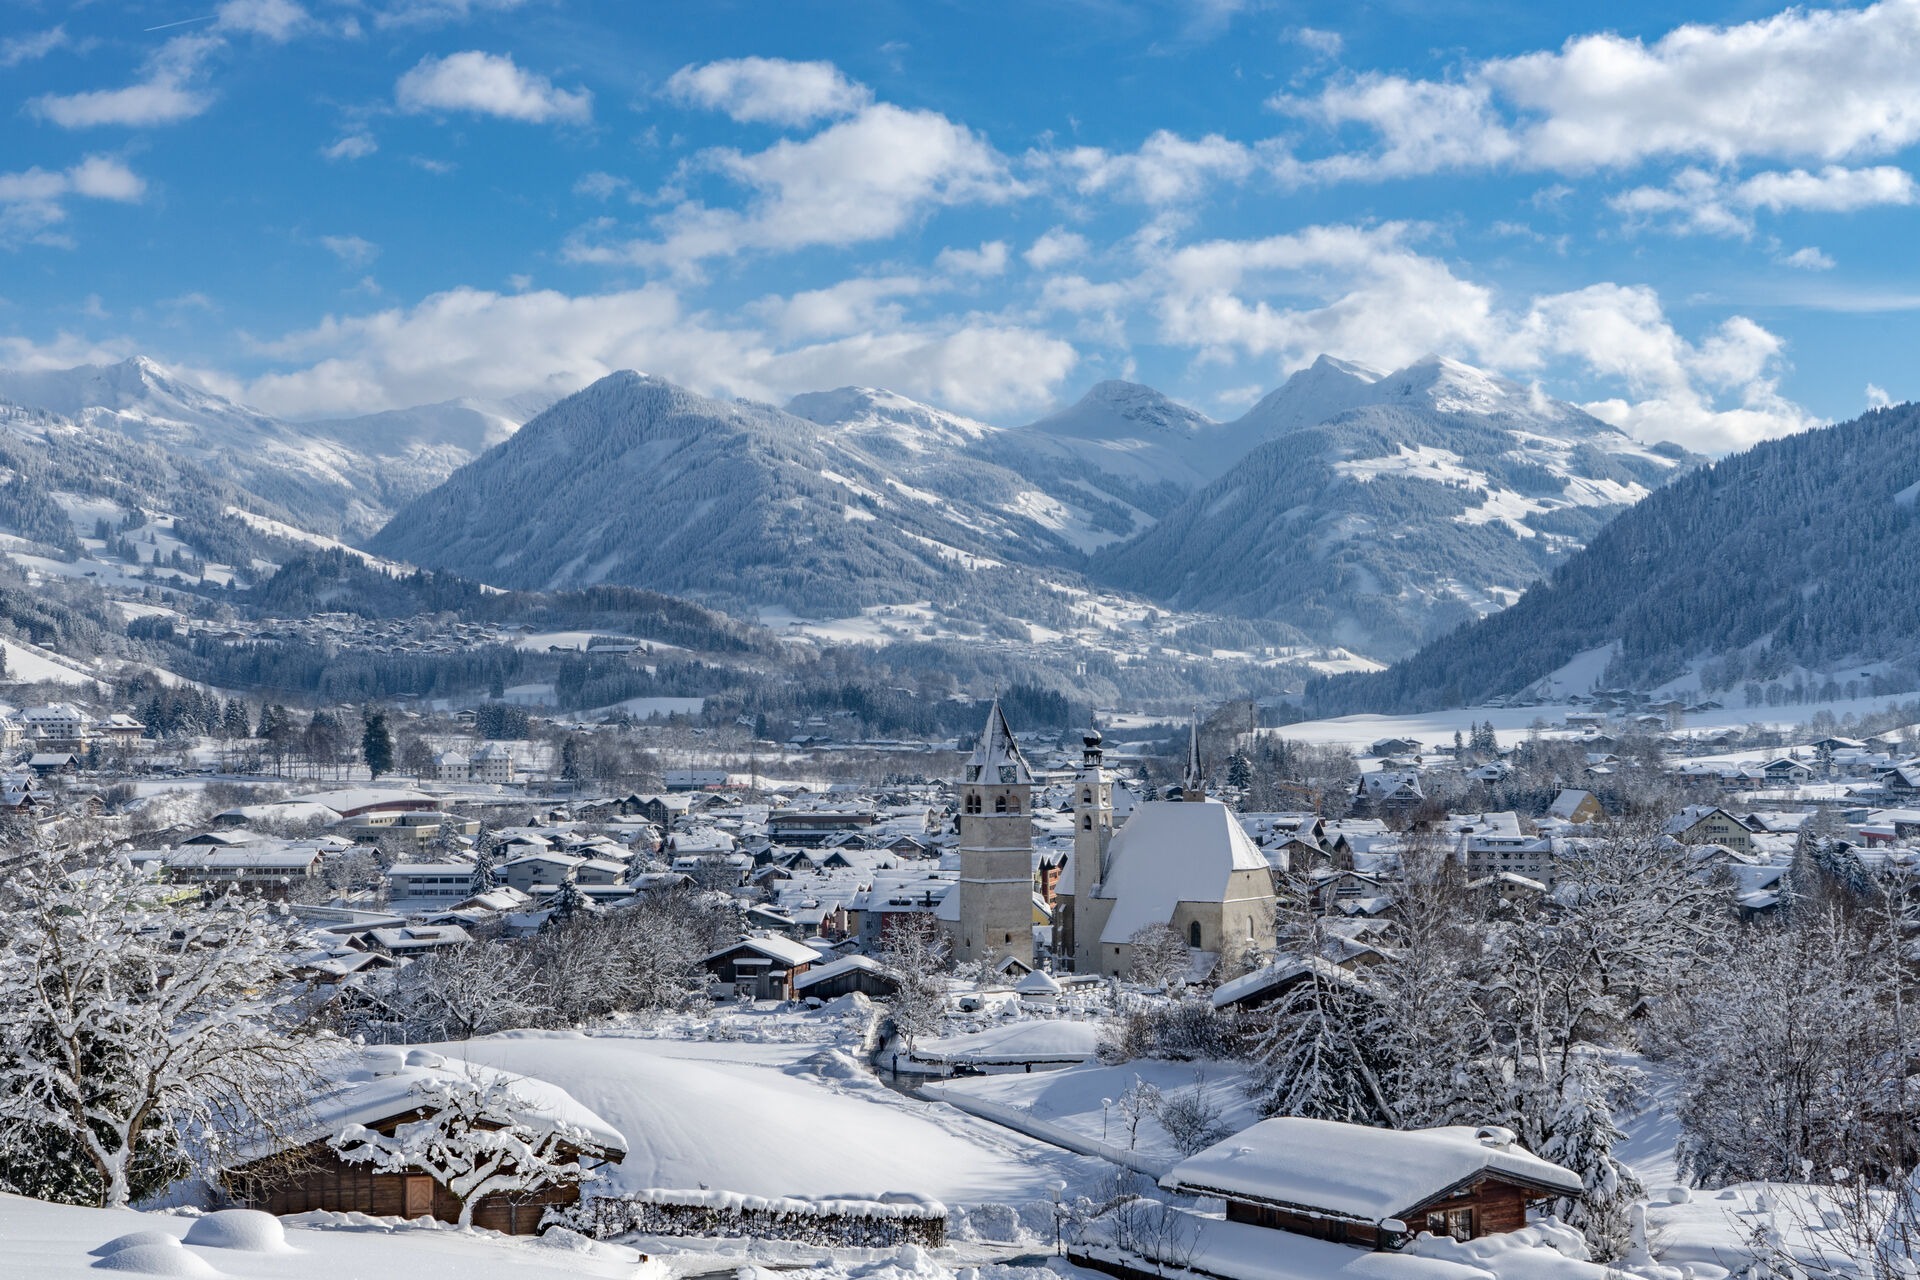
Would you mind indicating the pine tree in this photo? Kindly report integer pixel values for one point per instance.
(376, 744)
(1581, 1136)
(484, 880)
(1320, 1054)
(570, 760)
(568, 902)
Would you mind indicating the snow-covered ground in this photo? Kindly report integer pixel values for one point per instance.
(778, 1117)
(27, 663)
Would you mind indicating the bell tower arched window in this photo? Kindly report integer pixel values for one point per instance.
(1193, 934)
(999, 804)
(973, 804)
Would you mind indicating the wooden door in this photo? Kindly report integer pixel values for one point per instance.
(419, 1197)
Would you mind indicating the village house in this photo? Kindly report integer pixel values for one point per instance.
(452, 881)
(303, 1173)
(1709, 824)
(1296, 1175)
(267, 868)
(762, 968)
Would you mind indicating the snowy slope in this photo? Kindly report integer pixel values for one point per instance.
(775, 1120)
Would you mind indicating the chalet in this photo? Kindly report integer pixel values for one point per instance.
(1390, 791)
(1785, 772)
(1394, 747)
(761, 967)
(843, 976)
(1376, 1188)
(415, 940)
(1272, 982)
(302, 1173)
(48, 763)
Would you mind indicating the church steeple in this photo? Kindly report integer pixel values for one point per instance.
(996, 758)
(995, 889)
(1194, 780)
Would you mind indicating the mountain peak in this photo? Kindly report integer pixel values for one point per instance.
(1117, 410)
(881, 416)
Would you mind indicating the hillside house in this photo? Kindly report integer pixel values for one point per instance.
(1576, 807)
(1375, 1188)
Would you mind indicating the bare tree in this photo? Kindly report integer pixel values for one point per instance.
(916, 957)
(1158, 956)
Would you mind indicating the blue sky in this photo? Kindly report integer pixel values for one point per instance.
(1702, 231)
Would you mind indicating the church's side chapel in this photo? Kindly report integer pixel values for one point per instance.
(1183, 861)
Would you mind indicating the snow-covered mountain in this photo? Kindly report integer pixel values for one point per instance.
(340, 477)
(637, 481)
(1378, 510)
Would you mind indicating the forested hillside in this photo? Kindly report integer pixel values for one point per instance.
(1804, 551)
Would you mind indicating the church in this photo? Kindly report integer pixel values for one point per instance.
(1182, 861)
(988, 914)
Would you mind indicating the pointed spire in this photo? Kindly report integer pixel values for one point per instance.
(1195, 781)
(996, 756)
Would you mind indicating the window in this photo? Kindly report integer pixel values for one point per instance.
(1193, 934)
(999, 804)
(973, 804)
(1086, 795)
(1086, 822)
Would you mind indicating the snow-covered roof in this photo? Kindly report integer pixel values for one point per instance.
(1039, 1040)
(836, 968)
(996, 757)
(1355, 1172)
(381, 1084)
(785, 950)
(1173, 851)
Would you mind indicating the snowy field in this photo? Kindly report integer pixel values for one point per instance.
(777, 1118)
(1512, 725)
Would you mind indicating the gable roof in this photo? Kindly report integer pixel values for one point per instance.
(1173, 851)
(1358, 1173)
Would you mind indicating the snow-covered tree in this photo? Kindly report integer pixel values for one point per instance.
(1320, 1052)
(1158, 956)
(483, 879)
(480, 1135)
(568, 902)
(455, 993)
(916, 956)
(1581, 1136)
(1192, 1120)
(134, 1035)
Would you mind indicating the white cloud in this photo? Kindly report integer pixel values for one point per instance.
(768, 90)
(355, 146)
(28, 48)
(1808, 259)
(476, 342)
(1368, 293)
(1167, 169)
(1327, 44)
(1877, 397)
(1054, 247)
(64, 352)
(277, 20)
(412, 13)
(1699, 201)
(599, 186)
(1826, 85)
(33, 201)
(990, 259)
(351, 250)
(489, 84)
(163, 97)
(866, 302)
(861, 179)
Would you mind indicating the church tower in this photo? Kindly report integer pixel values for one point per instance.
(996, 849)
(1092, 833)
(1193, 781)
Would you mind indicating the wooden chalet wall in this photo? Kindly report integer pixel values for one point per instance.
(1495, 1204)
(316, 1178)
